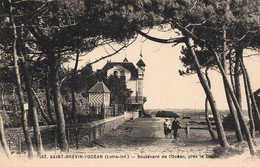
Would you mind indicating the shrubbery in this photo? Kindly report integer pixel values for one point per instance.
(169, 114)
(145, 115)
(83, 118)
(228, 122)
(12, 120)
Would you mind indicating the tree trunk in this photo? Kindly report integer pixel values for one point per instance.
(252, 97)
(41, 108)
(231, 74)
(48, 100)
(211, 131)
(220, 130)
(3, 139)
(3, 100)
(61, 132)
(14, 100)
(232, 110)
(239, 52)
(257, 98)
(73, 86)
(32, 107)
(237, 106)
(26, 132)
(21, 102)
(233, 114)
(3, 156)
(250, 114)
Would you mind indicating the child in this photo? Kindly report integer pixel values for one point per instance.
(187, 130)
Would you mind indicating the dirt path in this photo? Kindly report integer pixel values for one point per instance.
(142, 140)
(145, 136)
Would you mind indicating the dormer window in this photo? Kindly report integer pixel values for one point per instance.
(116, 73)
(122, 75)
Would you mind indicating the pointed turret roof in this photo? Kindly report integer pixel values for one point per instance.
(125, 60)
(140, 63)
(99, 87)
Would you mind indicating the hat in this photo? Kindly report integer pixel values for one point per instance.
(166, 118)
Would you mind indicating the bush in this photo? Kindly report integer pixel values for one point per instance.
(228, 123)
(12, 120)
(169, 114)
(82, 118)
(145, 115)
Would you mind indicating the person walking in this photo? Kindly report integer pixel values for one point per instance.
(167, 127)
(187, 130)
(175, 127)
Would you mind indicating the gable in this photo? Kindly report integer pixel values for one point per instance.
(119, 68)
(125, 65)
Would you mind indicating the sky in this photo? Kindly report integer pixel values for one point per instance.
(163, 86)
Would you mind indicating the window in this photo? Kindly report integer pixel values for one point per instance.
(115, 73)
(140, 76)
(122, 75)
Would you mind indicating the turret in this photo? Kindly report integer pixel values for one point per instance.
(141, 67)
(139, 93)
(125, 60)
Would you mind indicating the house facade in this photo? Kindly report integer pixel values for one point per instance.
(132, 75)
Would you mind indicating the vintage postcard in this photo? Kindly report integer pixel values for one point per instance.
(129, 83)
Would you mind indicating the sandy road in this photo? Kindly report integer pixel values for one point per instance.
(142, 140)
(145, 136)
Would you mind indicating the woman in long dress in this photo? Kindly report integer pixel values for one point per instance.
(167, 127)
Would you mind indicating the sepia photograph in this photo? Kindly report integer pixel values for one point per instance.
(129, 83)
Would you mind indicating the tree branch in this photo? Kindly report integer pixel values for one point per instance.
(104, 57)
(171, 40)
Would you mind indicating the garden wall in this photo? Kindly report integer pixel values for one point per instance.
(101, 127)
(86, 132)
(129, 115)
